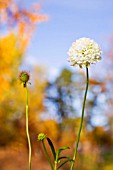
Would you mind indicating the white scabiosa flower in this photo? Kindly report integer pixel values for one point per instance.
(84, 52)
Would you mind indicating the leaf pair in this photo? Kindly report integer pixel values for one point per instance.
(56, 155)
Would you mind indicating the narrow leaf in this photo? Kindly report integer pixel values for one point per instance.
(62, 157)
(52, 147)
(47, 155)
(63, 163)
(61, 149)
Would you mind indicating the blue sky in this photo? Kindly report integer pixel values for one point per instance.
(68, 21)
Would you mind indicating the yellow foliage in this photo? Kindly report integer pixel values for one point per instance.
(108, 167)
(12, 48)
(10, 57)
(9, 51)
(50, 128)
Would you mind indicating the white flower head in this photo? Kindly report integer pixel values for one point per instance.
(84, 52)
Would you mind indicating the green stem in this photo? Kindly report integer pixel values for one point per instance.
(56, 161)
(27, 131)
(55, 167)
(49, 160)
(82, 117)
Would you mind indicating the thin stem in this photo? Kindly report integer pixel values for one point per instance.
(27, 131)
(55, 166)
(46, 152)
(82, 117)
(56, 161)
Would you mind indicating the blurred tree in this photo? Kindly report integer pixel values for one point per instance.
(95, 103)
(62, 93)
(66, 95)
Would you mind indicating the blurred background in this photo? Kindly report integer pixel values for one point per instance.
(35, 36)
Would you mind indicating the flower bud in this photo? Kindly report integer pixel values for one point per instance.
(24, 77)
(41, 136)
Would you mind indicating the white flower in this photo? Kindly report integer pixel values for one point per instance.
(84, 52)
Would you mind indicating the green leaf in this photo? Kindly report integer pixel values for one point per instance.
(62, 157)
(63, 163)
(47, 155)
(61, 149)
(52, 147)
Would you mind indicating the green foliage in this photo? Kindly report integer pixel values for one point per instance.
(56, 155)
(52, 148)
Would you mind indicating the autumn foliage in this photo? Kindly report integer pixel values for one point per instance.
(19, 24)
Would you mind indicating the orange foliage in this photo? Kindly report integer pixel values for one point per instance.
(4, 3)
(25, 20)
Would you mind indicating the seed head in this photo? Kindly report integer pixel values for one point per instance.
(24, 77)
